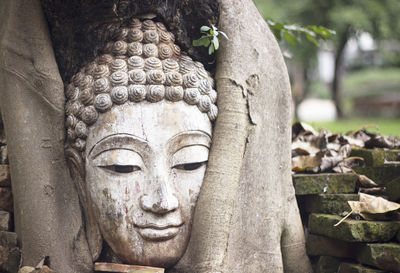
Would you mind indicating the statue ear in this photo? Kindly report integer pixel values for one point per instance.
(78, 173)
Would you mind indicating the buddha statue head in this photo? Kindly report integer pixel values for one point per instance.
(139, 128)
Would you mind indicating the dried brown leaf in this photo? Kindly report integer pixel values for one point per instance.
(366, 182)
(371, 208)
(306, 162)
(302, 128)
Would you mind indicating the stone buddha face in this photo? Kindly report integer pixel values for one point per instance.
(139, 130)
(144, 170)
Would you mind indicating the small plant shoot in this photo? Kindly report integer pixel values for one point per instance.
(209, 38)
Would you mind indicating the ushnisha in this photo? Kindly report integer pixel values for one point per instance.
(141, 63)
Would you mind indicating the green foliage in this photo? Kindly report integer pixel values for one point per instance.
(209, 38)
(294, 33)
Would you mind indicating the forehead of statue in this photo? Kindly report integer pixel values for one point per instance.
(156, 123)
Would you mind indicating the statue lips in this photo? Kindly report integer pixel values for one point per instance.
(154, 232)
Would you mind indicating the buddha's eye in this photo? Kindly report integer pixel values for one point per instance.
(122, 168)
(190, 166)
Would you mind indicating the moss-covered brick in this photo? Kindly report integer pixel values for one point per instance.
(381, 174)
(324, 183)
(357, 268)
(327, 264)
(376, 157)
(323, 246)
(382, 256)
(326, 203)
(352, 230)
(393, 189)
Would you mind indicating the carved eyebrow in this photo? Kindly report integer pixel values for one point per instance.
(181, 140)
(118, 141)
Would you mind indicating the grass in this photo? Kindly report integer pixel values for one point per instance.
(387, 127)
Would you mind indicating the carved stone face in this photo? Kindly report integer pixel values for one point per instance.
(145, 164)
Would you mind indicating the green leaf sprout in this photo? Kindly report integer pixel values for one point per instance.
(209, 38)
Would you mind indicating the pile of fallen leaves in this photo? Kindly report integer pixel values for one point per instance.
(323, 151)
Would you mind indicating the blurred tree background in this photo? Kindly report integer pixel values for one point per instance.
(358, 68)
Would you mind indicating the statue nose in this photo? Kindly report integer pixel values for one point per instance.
(161, 200)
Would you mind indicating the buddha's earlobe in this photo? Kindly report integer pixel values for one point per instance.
(75, 163)
(77, 170)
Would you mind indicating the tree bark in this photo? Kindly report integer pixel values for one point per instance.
(337, 74)
(46, 209)
(248, 222)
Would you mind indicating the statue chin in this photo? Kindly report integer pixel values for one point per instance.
(145, 165)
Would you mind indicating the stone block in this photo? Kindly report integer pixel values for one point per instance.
(323, 246)
(326, 203)
(352, 230)
(382, 256)
(8, 239)
(120, 268)
(376, 157)
(393, 189)
(5, 180)
(327, 264)
(324, 183)
(357, 268)
(380, 174)
(9, 259)
(6, 199)
(5, 220)
(9, 252)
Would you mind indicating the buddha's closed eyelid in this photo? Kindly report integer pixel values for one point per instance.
(190, 157)
(119, 160)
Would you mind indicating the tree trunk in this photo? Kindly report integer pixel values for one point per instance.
(337, 75)
(248, 222)
(46, 208)
(246, 219)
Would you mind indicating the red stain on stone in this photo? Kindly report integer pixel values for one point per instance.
(137, 187)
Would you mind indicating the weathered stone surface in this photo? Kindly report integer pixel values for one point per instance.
(324, 183)
(4, 220)
(121, 268)
(383, 256)
(9, 252)
(352, 230)
(6, 199)
(356, 268)
(324, 246)
(376, 157)
(393, 189)
(380, 174)
(327, 264)
(5, 176)
(326, 203)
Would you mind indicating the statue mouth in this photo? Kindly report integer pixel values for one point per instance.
(153, 232)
